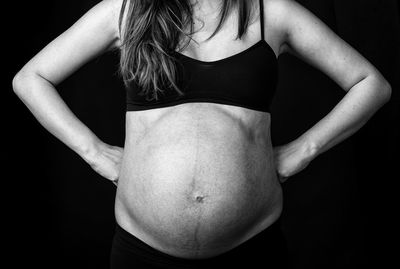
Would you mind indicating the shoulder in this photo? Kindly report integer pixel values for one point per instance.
(106, 15)
(287, 17)
(275, 19)
(282, 9)
(111, 7)
(114, 8)
(310, 39)
(281, 13)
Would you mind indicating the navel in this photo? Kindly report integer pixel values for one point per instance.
(199, 199)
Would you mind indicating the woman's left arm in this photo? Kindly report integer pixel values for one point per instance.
(309, 39)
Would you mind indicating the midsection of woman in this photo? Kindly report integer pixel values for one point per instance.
(197, 179)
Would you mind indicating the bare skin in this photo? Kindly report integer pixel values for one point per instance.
(197, 179)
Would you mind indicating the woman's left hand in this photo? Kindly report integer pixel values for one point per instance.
(291, 158)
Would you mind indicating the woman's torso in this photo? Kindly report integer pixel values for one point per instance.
(198, 179)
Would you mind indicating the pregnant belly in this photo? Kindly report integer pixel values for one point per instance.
(199, 194)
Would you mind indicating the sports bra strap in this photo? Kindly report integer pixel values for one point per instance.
(262, 18)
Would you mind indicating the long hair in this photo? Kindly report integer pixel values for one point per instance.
(152, 32)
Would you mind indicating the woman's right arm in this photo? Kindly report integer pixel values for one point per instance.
(93, 34)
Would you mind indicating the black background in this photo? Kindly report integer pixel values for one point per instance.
(338, 212)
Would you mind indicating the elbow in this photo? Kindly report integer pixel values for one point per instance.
(382, 88)
(386, 90)
(21, 82)
(18, 82)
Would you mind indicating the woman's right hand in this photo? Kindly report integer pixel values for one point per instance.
(106, 161)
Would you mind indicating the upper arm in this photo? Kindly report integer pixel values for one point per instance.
(93, 34)
(311, 40)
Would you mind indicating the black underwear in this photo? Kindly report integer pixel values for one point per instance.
(264, 250)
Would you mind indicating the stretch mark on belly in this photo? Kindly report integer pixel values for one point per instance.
(197, 195)
(194, 189)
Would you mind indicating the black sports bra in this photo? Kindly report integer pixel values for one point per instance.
(247, 79)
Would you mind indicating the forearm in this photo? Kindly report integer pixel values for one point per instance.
(348, 116)
(43, 100)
